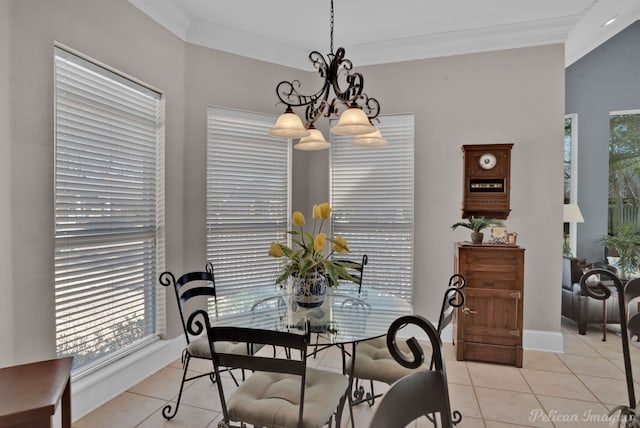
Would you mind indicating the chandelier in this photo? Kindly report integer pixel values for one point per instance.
(359, 109)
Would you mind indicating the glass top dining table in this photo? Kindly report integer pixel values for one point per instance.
(345, 318)
(346, 315)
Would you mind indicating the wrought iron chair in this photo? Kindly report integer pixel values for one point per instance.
(592, 285)
(421, 393)
(281, 392)
(373, 360)
(355, 269)
(194, 285)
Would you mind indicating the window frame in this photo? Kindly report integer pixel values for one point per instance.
(573, 188)
(227, 278)
(404, 288)
(154, 234)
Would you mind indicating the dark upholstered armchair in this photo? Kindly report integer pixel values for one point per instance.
(579, 307)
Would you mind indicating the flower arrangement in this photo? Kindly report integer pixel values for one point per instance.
(309, 258)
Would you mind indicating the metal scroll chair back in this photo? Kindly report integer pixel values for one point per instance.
(423, 393)
(355, 269)
(193, 285)
(286, 402)
(592, 285)
(453, 298)
(189, 286)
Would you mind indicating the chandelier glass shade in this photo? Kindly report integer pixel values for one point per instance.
(353, 121)
(373, 139)
(358, 109)
(315, 141)
(289, 125)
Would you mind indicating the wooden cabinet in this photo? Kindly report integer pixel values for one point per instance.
(489, 324)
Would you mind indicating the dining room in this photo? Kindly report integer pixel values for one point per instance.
(430, 108)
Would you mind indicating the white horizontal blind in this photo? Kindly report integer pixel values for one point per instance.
(372, 199)
(247, 203)
(107, 133)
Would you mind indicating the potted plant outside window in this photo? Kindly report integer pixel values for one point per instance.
(626, 242)
(476, 225)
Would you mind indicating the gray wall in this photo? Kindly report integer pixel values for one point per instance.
(607, 79)
(6, 292)
(511, 96)
(215, 78)
(116, 34)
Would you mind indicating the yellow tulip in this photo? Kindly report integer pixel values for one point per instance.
(325, 210)
(340, 246)
(318, 243)
(275, 250)
(298, 219)
(316, 212)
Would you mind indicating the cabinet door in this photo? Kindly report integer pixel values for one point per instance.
(490, 316)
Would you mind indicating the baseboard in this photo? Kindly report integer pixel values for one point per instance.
(546, 341)
(95, 389)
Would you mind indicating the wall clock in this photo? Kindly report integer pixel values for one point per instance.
(487, 169)
(488, 161)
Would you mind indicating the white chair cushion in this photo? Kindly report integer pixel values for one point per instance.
(272, 399)
(374, 361)
(200, 348)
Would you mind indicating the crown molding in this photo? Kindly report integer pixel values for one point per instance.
(220, 37)
(166, 14)
(511, 36)
(532, 33)
(238, 42)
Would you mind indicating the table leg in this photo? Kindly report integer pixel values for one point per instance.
(66, 405)
(347, 395)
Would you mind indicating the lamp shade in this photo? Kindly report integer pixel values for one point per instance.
(373, 139)
(353, 122)
(315, 141)
(289, 125)
(572, 214)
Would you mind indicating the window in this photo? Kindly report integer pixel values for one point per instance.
(247, 203)
(624, 169)
(570, 179)
(108, 211)
(372, 200)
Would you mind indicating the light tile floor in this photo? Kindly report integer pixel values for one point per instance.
(573, 389)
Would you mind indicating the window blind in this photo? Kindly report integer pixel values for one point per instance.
(372, 199)
(108, 157)
(247, 204)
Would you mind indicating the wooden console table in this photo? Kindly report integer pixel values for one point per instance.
(30, 393)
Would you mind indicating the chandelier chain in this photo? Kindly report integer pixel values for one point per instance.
(331, 33)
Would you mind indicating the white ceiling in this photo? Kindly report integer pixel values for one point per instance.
(381, 31)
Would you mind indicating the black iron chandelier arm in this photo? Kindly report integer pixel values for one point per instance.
(287, 91)
(334, 69)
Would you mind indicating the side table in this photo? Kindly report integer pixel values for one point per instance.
(30, 393)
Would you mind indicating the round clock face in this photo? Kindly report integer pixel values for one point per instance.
(487, 161)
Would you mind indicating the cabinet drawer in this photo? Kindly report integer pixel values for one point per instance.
(492, 282)
(491, 257)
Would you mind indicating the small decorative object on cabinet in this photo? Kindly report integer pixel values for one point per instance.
(487, 183)
(476, 225)
(489, 325)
